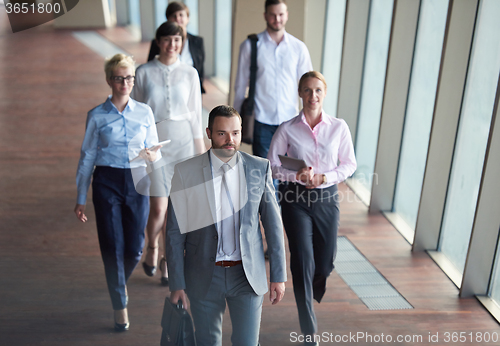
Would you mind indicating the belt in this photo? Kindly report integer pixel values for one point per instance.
(227, 264)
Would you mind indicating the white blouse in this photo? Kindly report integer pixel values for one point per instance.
(172, 92)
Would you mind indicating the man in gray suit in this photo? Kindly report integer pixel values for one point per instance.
(214, 244)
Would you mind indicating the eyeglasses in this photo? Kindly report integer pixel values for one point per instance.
(120, 79)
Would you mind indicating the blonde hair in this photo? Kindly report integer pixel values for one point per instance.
(117, 61)
(312, 74)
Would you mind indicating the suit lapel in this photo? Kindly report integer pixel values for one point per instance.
(244, 185)
(209, 186)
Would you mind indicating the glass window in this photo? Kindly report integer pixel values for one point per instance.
(134, 11)
(223, 24)
(495, 279)
(420, 108)
(332, 52)
(111, 6)
(372, 90)
(192, 27)
(160, 9)
(472, 136)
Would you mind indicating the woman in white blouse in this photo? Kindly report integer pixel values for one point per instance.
(193, 49)
(172, 89)
(310, 205)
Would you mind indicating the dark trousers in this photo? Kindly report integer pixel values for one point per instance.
(121, 216)
(262, 136)
(311, 220)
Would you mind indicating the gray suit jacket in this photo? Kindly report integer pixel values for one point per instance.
(191, 237)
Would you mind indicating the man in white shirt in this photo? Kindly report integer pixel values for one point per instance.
(281, 60)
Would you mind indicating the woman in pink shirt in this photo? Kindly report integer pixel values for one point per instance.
(309, 200)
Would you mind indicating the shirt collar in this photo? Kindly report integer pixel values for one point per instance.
(269, 38)
(169, 68)
(109, 106)
(325, 118)
(217, 163)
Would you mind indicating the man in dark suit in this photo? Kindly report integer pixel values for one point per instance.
(214, 242)
(193, 50)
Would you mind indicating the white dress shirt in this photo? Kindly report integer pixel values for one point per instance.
(327, 148)
(185, 55)
(232, 180)
(280, 67)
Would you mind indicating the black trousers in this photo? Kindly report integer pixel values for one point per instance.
(311, 220)
(121, 216)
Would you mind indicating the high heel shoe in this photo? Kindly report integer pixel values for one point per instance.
(123, 316)
(163, 266)
(149, 270)
(122, 327)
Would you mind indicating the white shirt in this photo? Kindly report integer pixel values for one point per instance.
(232, 180)
(185, 55)
(327, 148)
(280, 67)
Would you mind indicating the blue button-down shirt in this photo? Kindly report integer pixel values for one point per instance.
(113, 138)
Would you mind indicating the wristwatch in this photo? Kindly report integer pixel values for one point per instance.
(324, 179)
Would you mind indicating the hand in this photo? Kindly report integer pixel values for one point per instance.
(305, 175)
(316, 181)
(80, 212)
(276, 292)
(149, 154)
(180, 294)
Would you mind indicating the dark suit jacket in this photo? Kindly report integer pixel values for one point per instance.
(197, 50)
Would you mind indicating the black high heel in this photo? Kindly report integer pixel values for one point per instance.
(121, 327)
(149, 270)
(164, 280)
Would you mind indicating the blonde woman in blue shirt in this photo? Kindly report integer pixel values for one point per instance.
(118, 131)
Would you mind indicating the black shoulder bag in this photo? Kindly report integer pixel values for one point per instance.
(247, 114)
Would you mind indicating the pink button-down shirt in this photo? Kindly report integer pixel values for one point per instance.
(327, 148)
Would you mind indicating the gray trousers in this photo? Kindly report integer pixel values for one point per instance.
(229, 285)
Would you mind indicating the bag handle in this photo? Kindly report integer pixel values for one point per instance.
(179, 305)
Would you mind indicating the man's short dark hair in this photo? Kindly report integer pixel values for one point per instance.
(221, 111)
(176, 6)
(273, 2)
(168, 29)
